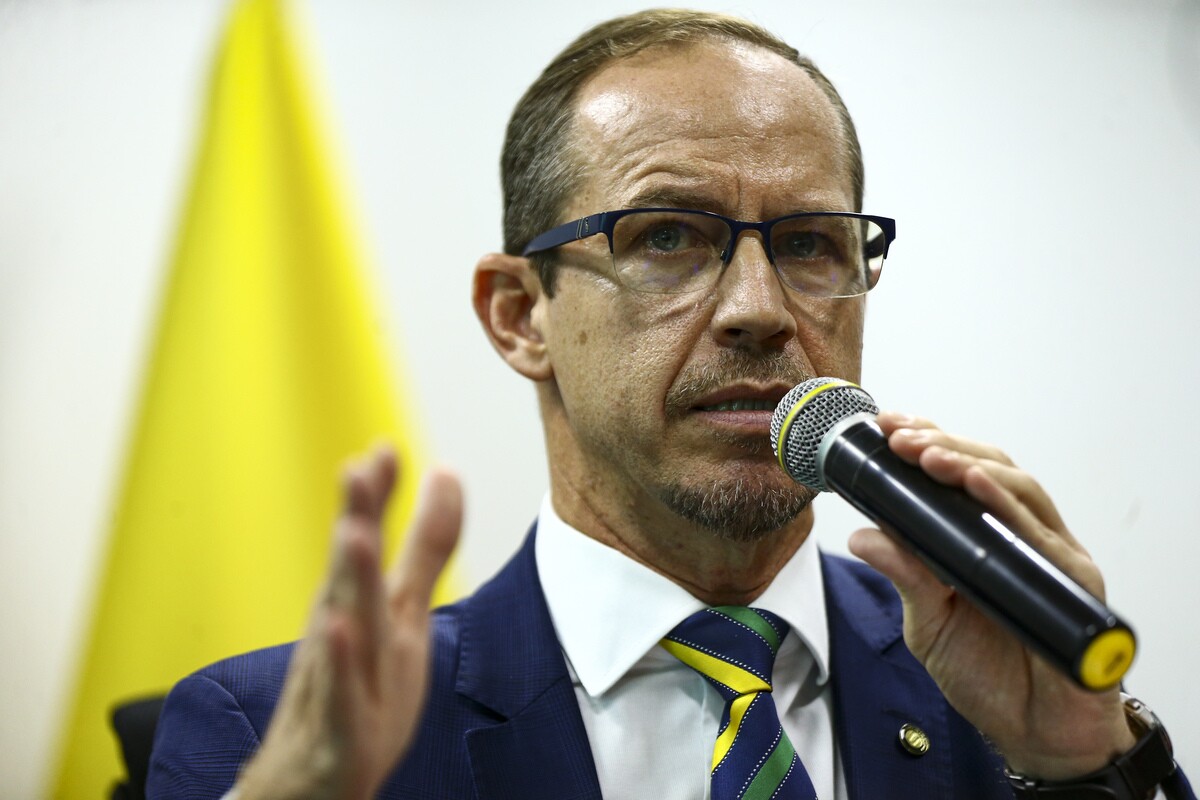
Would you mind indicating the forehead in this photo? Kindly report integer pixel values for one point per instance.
(732, 125)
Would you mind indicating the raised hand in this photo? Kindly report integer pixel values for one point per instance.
(357, 683)
(1043, 723)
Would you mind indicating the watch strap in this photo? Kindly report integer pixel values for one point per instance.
(1134, 775)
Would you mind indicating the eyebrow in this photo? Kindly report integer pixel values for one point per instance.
(673, 197)
(684, 198)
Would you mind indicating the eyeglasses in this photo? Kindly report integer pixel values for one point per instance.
(674, 250)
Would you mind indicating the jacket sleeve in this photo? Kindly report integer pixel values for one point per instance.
(1177, 787)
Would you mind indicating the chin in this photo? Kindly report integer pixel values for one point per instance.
(739, 509)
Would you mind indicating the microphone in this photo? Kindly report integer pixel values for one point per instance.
(826, 437)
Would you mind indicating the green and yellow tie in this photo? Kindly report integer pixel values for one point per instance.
(734, 648)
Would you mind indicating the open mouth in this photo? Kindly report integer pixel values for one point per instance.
(741, 398)
(741, 405)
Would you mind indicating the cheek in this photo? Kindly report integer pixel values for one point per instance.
(625, 349)
(658, 335)
(831, 334)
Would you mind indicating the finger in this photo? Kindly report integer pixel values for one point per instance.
(381, 478)
(953, 467)
(911, 443)
(368, 482)
(356, 491)
(356, 535)
(430, 540)
(898, 565)
(891, 421)
(344, 671)
(338, 590)
(366, 609)
(370, 487)
(1023, 505)
(1043, 529)
(378, 478)
(1019, 503)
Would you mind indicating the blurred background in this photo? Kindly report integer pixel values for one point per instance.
(1042, 161)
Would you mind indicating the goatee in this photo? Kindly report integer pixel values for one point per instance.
(740, 510)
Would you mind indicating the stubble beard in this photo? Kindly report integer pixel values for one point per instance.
(740, 508)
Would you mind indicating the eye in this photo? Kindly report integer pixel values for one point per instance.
(800, 244)
(669, 236)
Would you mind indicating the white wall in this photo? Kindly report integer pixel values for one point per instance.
(1042, 160)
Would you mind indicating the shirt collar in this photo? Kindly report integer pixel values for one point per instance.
(609, 611)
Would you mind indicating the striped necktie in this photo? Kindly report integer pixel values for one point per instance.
(734, 648)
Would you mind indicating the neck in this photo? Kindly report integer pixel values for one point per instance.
(715, 570)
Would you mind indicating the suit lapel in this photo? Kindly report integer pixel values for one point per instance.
(511, 663)
(878, 687)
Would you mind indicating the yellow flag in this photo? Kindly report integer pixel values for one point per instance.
(269, 369)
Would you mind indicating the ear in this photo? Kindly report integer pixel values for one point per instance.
(508, 299)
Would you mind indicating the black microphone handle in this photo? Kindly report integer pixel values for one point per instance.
(970, 550)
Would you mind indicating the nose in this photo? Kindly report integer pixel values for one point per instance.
(752, 306)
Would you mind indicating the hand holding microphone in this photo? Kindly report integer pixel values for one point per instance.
(825, 434)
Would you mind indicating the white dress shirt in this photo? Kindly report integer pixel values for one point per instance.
(652, 721)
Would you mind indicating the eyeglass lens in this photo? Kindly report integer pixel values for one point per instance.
(680, 251)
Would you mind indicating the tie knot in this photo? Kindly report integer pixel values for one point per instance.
(733, 646)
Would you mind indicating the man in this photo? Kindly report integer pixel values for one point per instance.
(659, 336)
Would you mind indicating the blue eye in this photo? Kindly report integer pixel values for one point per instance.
(798, 244)
(665, 237)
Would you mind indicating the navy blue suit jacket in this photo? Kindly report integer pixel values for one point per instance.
(502, 720)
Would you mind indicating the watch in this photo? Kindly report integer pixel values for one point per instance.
(1135, 775)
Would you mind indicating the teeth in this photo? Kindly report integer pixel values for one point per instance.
(742, 405)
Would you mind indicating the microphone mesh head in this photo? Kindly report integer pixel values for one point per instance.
(805, 415)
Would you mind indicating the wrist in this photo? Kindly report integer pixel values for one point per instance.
(1132, 775)
(269, 778)
(1086, 752)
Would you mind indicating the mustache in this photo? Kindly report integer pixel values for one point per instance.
(732, 366)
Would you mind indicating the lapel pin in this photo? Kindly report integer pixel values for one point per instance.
(914, 740)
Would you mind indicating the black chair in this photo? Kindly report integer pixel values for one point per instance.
(134, 722)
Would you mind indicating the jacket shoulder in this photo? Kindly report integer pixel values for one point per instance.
(212, 721)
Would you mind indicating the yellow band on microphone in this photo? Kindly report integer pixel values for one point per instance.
(795, 409)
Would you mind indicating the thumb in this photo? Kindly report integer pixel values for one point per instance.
(919, 588)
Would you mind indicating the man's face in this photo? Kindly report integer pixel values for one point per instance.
(647, 383)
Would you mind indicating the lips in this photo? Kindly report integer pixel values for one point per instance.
(742, 398)
(741, 405)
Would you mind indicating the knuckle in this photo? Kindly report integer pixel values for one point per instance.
(1003, 458)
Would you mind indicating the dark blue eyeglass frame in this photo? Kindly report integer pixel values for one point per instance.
(606, 221)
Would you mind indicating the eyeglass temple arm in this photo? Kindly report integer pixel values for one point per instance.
(567, 232)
